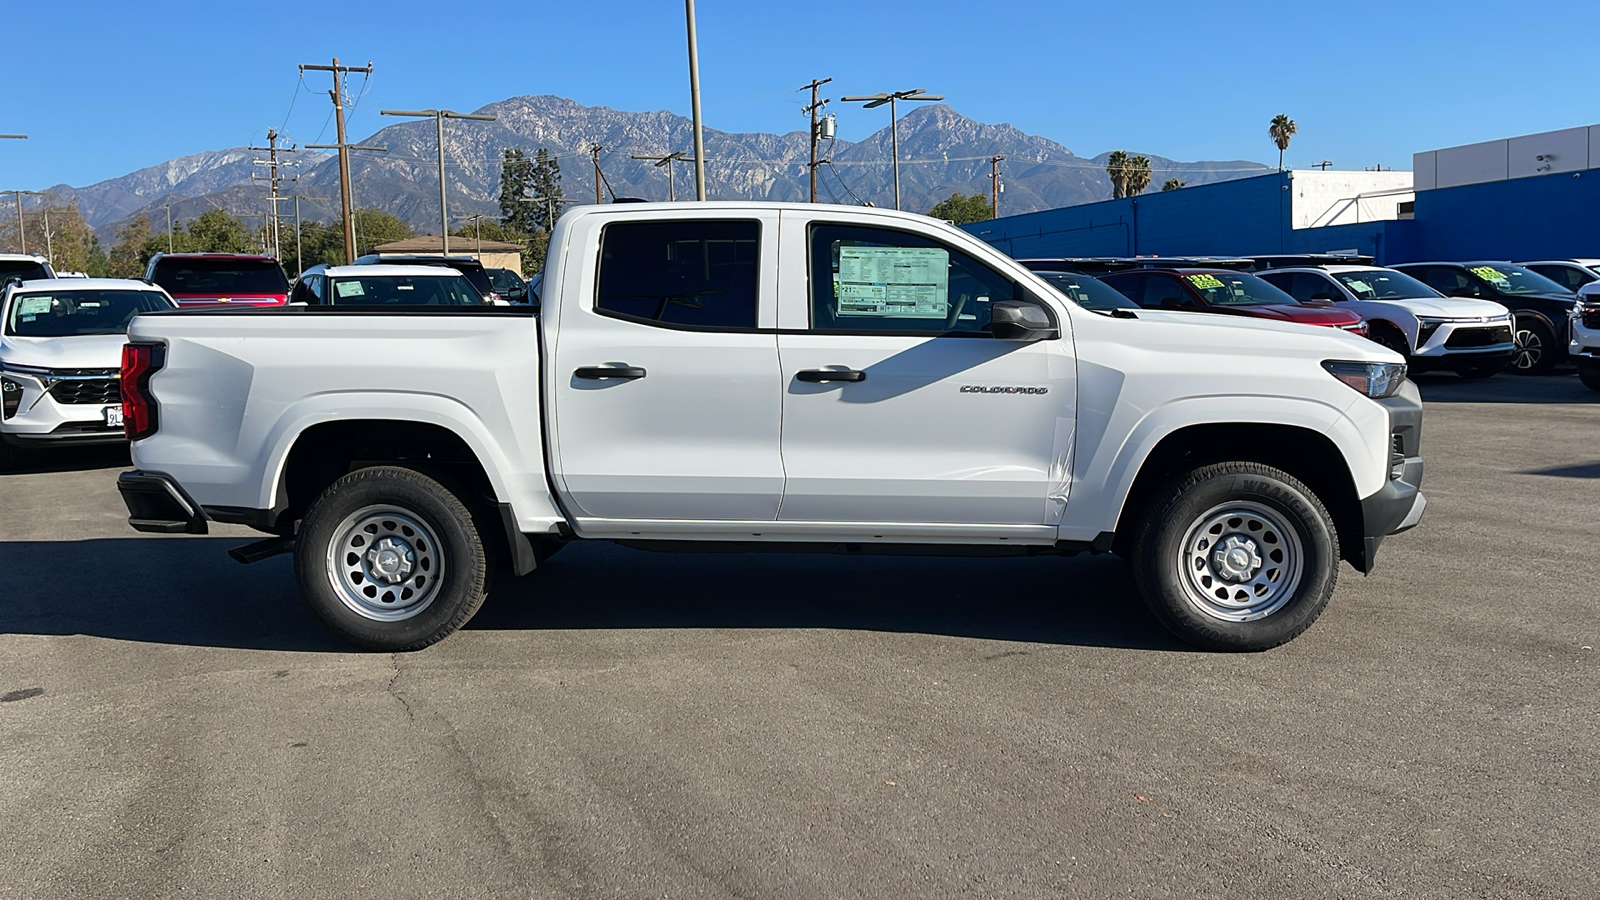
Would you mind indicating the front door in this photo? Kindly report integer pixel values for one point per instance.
(667, 400)
(899, 406)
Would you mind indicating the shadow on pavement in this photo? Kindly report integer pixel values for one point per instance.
(186, 591)
(1589, 470)
(1561, 387)
(70, 459)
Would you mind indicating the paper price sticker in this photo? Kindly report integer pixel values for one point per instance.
(349, 289)
(1205, 281)
(1488, 273)
(33, 306)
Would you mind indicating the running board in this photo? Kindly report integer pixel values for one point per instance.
(254, 553)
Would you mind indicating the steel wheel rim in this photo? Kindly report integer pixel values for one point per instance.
(1240, 561)
(1530, 348)
(385, 564)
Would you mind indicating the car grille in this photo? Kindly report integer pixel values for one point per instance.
(1591, 318)
(1478, 337)
(84, 386)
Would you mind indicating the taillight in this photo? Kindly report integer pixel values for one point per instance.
(139, 362)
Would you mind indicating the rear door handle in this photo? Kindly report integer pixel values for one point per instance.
(599, 372)
(817, 376)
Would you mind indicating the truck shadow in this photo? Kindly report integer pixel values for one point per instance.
(71, 459)
(1562, 386)
(186, 591)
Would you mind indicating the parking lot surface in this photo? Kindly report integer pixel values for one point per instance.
(629, 724)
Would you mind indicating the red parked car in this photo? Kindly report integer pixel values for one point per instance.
(1227, 292)
(207, 279)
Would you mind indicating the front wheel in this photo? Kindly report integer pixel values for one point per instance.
(391, 559)
(1236, 556)
(1536, 347)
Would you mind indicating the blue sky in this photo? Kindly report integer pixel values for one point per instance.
(104, 88)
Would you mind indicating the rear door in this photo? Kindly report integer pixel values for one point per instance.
(665, 384)
(899, 406)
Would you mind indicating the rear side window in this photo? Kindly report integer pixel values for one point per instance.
(25, 269)
(220, 277)
(698, 274)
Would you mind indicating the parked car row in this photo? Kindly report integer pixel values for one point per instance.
(1475, 318)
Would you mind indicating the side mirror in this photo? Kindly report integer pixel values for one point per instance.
(1021, 320)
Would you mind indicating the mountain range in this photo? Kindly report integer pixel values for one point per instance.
(941, 152)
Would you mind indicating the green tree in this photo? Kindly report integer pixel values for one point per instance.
(545, 181)
(962, 208)
(1174, 184)
(1117, 171)
(374, 227)
(516, 177)
(1281, 130)
(1138, 175)
(127, 259)
(534, 256)
(216, 231)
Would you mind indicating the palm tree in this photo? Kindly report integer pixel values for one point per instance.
(1173, 184)
(1138, 175)
(1117, 171)
(1282, 129)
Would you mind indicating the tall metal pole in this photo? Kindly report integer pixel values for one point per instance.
(994, 186)
(894, 127)
(169, 224)
(299, 255)
(439, 115)
(694, 104)
(22, 233)
(595, 149)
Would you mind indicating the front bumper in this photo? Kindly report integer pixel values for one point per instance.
(159, 505)
(45, 408)
(1398, 505)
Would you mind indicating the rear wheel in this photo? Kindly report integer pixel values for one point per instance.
(1391, 338)
(1236, 556)
(391, 559)
(1536, 347)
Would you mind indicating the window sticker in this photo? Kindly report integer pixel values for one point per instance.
(1359, 287)
(1489, 273)
(349, 289)
(894, 282)
(1205, 281)
(33, 306)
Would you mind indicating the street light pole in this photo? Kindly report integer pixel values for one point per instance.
(22, 232)
(694, 105)
(439, 115)
(894, 127)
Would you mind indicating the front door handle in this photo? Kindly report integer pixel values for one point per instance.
(599, 372)
(818, 376)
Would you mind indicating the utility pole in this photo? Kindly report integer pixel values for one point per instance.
(694, 106)
(344, 158)
(438, 116)
(667, 161)
(815, 107)
(168, 205)
(347, 195)
(994, 186)
(550, 205)
(594, 150)
(273, 199)
(1325, 164)
(894, 127)
(22, 234)
(299, 257)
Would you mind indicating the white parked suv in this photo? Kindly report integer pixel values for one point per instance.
(24, 267)
(762, 377)
(60, 355)
(1471, 337)
(1584, 345)
(1569, 273)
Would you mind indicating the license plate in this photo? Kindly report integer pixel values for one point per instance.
(113, 416)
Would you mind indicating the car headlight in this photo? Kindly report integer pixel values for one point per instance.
(1374, 379)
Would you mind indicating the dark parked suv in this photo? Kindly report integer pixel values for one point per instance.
(1540, 307)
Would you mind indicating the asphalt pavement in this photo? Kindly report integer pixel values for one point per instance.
(624, 724)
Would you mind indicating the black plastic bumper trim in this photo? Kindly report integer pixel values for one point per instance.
(158, 505)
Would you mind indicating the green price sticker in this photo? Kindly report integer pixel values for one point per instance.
(1488, 273)
(1205, 281)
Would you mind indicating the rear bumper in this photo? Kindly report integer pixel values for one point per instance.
(1398, 505)
(159, 505)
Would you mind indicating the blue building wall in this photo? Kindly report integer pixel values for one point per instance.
(1545, 216)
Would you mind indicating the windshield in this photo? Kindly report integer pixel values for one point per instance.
(220, 277)
(71, 313)
(1089, 293)
(1236, 289)
(504, 280)
(1379, 284)
(1515, 280)
(469, 268)
(25, 269)
(405, 290)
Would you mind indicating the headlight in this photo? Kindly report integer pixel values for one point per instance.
(10, 397)
(1376, 380)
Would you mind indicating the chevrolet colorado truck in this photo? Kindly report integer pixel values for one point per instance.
(758, 376)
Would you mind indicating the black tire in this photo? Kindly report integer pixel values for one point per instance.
(422, 528)
(1391, 338)
(1181, 560)
(1590, 378)
(1536, 347)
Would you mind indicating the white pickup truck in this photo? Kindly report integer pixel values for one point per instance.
(749, 375)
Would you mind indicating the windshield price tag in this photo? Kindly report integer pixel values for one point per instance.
(1205, 281)
(1488, 273)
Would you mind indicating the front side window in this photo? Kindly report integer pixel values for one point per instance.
(404, 290)
(695, 274)
(877, 279)
(71, 313)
